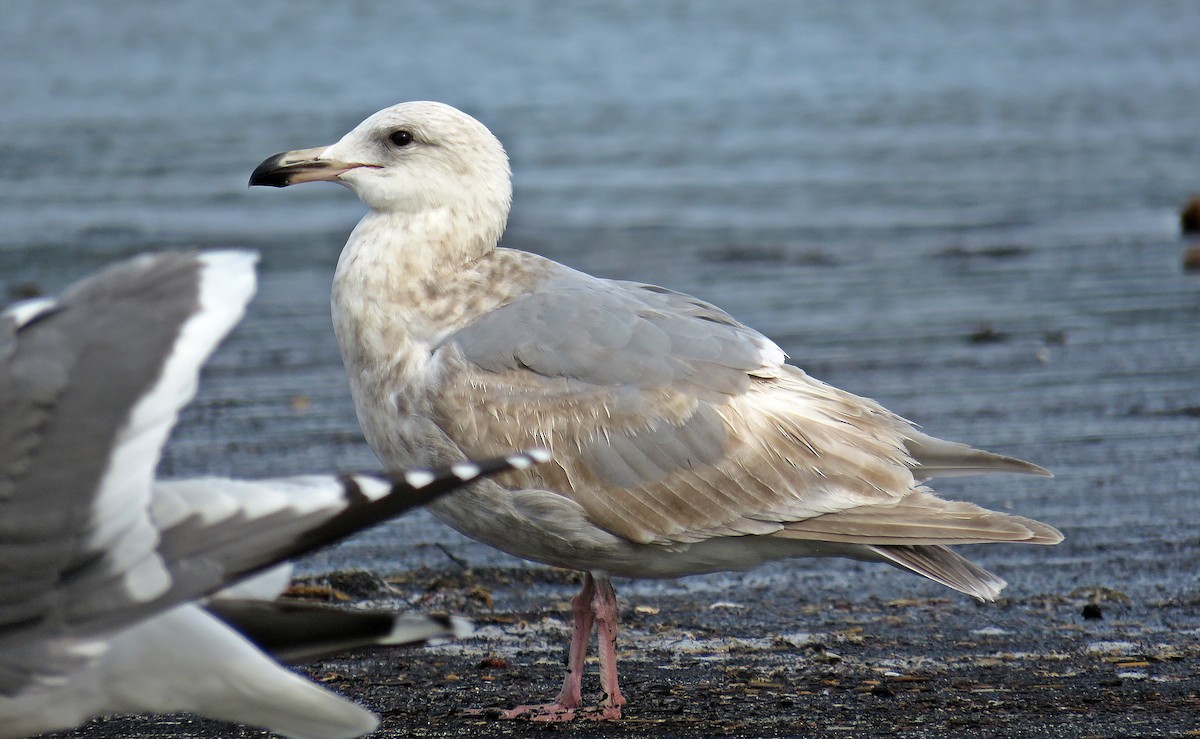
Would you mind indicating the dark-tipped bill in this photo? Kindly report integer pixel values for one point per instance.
(301, 165)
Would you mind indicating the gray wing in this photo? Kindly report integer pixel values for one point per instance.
(620, 334)
(670, 422)
(90, 386)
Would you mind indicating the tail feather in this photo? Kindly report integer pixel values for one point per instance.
(943, 565)
(921, 518)
(939, 458)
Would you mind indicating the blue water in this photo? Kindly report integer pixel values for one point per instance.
(830, 122)
(868, 182)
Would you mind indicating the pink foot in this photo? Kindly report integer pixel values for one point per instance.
(601, 713)
(547, 712)
(550, 713)
(595, 605)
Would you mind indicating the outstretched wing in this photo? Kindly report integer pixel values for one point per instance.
(90, 386)
(216, 531)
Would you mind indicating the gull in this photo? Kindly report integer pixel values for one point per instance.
(103, 567)
(682, 441)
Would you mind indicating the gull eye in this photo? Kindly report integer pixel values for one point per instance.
(400, 138)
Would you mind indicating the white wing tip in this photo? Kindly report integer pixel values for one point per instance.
(536, 456)
(373, 488)
(527, 458)
(419, 478)
(25, 311)
(465, 470)
(519, 461)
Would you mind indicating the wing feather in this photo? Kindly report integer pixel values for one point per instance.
(89, 417)
(670, 422)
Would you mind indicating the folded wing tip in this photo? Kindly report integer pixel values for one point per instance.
(1035, 469)
(1045, 534)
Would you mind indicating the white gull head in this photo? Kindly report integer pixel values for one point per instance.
(410, 159)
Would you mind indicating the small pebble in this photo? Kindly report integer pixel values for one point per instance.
(488, 663)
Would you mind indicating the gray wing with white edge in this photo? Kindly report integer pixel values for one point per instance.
(90, 386)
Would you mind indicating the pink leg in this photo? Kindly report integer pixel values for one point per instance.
(569, 698)
(604, 606)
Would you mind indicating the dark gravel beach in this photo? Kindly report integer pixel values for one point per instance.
(780, 662)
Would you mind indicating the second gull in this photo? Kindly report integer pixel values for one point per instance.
(104, 565)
